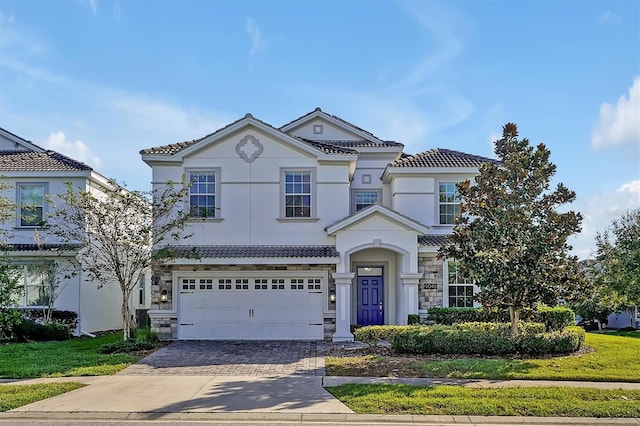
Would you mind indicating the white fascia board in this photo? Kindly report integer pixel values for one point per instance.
(377, 209)
(421, 171)
(326, 117)
(427, 249)
(254, 261)
(379, 151)
(20, 141)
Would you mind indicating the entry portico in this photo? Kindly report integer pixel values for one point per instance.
(379, 243)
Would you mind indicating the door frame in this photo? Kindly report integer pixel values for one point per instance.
(383, 289)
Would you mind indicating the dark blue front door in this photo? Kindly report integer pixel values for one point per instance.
(370, 308)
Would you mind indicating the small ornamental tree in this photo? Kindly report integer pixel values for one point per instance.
(117, 230)
(618, 256)
(511, 240)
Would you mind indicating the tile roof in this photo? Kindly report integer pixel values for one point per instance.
(431, 240)
(327, 148)
(43, 247)
(440, 157)
(356, 143)
(256, 251)
(48, 161)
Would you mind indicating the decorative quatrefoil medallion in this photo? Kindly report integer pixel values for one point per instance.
(249, 148)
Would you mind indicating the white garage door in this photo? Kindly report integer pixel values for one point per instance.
(250, 308)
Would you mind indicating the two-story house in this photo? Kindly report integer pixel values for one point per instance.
(302, 231)
(34, 176)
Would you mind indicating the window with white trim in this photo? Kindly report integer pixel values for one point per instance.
(202, 194)
(34, 283)
(460, 293)
(31, 204)
(297, 193)
(448, 203)
(364, 199)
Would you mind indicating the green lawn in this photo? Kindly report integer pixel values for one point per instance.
(13, 396)
(615, 358)
(455, 400)
(76, 357)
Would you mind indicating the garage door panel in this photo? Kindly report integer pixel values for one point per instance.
(249, 308)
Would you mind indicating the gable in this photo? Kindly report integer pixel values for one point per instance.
(377, 218)
(322, 130)
(11, 142)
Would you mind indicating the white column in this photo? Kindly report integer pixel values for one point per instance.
(343, 307)
(409, 303)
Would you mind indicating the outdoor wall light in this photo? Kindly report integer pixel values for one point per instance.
(332, 295)
(164, 296)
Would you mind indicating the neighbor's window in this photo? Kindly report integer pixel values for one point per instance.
(202, 194)
(297, 194)
(364, 199)
(34, 282)
(449, 203)
(460, 288)
(141, 290)
(31, 199)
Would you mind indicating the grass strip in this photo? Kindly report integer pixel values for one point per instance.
(456, 400)
(13, 396)
(75, 357)
(615, 358)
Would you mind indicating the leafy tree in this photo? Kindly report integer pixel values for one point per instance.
(618, 255)
(117, 230)
(10, 287)
(512, 241)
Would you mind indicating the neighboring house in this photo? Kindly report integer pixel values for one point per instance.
(303, 231)
(34, 174)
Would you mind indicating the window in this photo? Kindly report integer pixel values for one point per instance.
(202, 194)
(31, 198)
(449, 202)
(460, 288)
(33, 281)
(141, 290)
(297, 194)
(363, 199)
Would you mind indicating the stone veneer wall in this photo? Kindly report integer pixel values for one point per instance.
(166, 326)
(430, 290)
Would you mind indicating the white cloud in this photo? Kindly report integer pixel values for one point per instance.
(600, 210)
(77, 150)
(609, 17)
(619, 125)
(258, 43)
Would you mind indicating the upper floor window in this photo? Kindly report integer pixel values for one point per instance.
(297, 193)
(31, 203)
(460, 288)
(449, 203)
(363, 199)
(202, 194)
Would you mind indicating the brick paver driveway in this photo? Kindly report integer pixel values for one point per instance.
(233, 358)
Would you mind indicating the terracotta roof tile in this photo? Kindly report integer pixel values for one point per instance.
(439, 157)
(357, 143)
(43, 247)
(431, 240)
(29, 161)
(327, 148)
(228, 251)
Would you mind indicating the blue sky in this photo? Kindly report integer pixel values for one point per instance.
(99, 80)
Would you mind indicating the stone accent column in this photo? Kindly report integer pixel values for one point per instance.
(343, 307)
(409, 303)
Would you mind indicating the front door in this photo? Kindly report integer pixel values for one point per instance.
(370, 298)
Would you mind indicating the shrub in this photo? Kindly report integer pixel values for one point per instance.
(502, 327)
(10, 319)
(454, 340)
(555, 318)
(413, 319)
(68, 318)
(373, 334)
(126, 346)
(31, 330)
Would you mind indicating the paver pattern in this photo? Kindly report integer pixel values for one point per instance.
(233, 358)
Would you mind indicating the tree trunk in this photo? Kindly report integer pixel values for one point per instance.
(514, 314)
(126, 315)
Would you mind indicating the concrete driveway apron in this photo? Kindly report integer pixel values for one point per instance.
(210, 376)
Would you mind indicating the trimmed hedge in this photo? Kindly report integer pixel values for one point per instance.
(554, 318)
(373, 334)
(68, 318)
(31, 330)
(502, 327)
(427, 340)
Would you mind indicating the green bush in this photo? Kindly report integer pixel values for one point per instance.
(502, 327)
(475, 340)
(373, 334)
(68, 318)
(29, 330)
(10, 319)
(555, 318)
(126, 346)
(413, 319)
